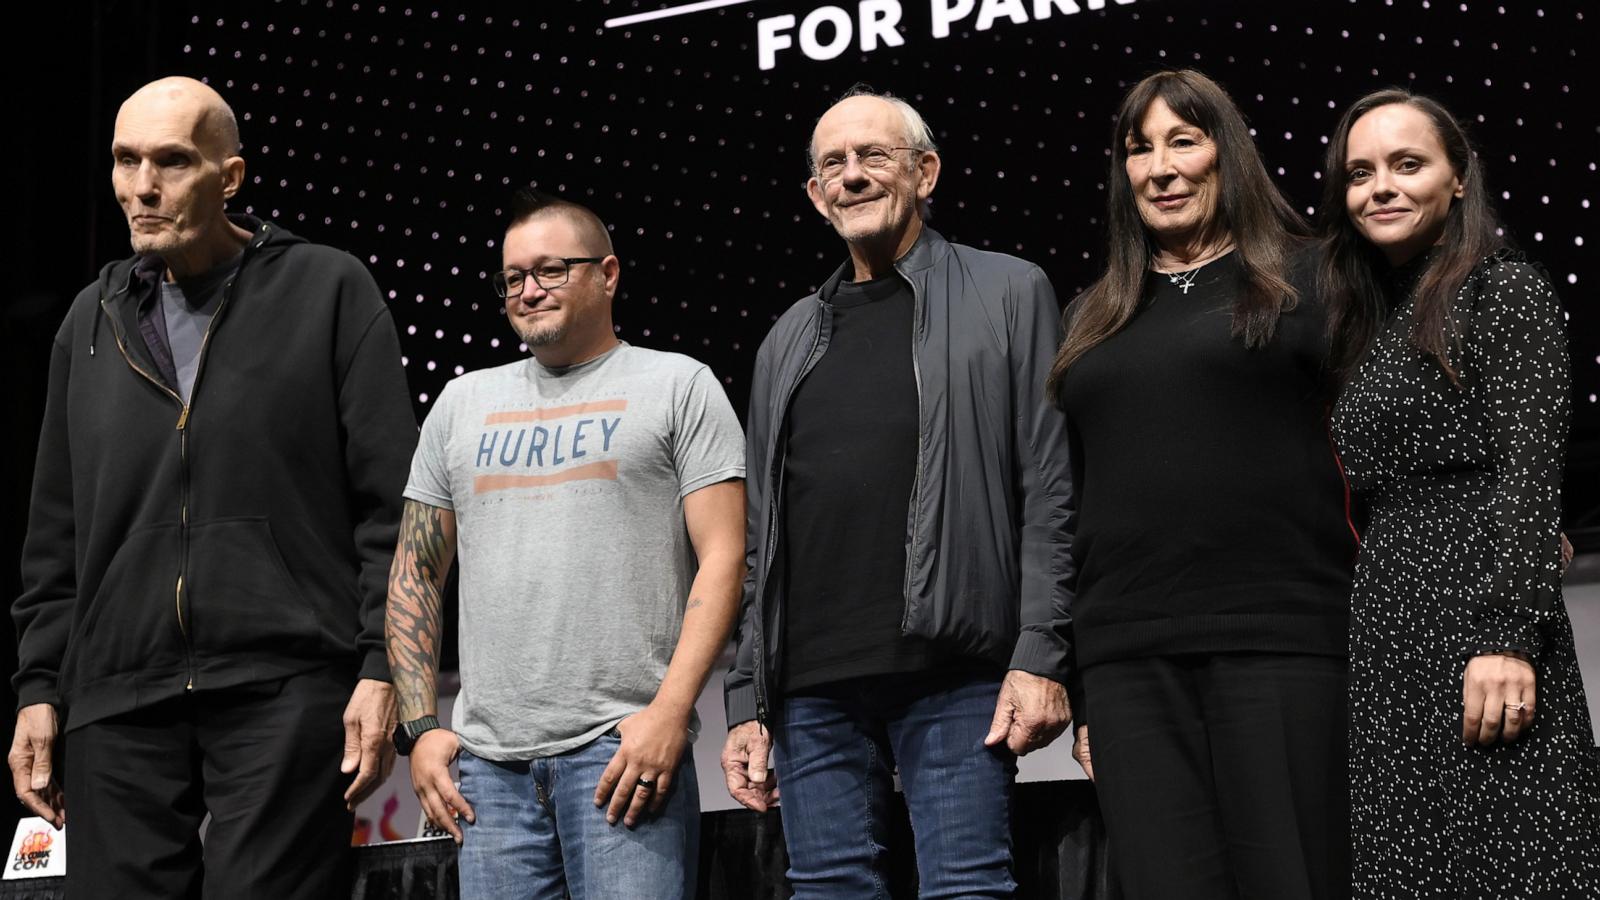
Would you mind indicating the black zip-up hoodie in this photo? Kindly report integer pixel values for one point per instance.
(242, 538)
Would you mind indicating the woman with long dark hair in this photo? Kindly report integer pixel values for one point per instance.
(1473, 772)
(1212, 541)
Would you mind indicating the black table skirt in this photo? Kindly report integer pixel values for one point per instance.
(1059, 846)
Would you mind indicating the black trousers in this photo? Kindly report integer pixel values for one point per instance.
(1223, 777)
(262, 759)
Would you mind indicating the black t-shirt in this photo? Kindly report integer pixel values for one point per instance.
(1212, 513)
(848, 471)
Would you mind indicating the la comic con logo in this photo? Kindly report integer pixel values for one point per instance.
(34, 851)
(828, 31)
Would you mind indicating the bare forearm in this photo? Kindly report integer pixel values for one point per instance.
(414, 621)
(707, 622)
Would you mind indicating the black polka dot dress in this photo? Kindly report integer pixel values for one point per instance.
(1461, 557)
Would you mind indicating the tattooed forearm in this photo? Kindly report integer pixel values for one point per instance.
(694, 603)
(413, 623)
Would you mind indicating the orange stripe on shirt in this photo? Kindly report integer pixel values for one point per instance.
(599, 471)
(555, 412)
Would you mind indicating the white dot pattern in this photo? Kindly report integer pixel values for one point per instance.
(396, 130)
(1460, 557)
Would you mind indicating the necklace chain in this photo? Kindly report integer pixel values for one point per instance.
(1184, 280)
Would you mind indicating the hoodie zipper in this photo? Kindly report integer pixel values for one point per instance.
(183, 498)
(183, 450)
(183, 445)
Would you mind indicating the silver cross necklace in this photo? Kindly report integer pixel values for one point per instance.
(1184, 280)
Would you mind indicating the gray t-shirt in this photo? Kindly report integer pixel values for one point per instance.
(574, 560)
(187, 309)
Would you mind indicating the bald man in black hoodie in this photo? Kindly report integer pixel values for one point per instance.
(214, 512)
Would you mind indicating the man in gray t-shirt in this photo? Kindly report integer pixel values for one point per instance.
(595, 496)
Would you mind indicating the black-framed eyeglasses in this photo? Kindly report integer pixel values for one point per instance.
(874, 158)
(550, 274)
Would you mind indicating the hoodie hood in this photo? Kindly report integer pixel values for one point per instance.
(265, 237)
(119, 280)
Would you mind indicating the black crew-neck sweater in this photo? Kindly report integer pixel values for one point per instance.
(849, 464)
(1212, 512)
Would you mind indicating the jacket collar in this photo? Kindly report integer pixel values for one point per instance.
(147, 269)
(929, 247)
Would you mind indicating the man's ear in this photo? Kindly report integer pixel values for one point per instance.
(814, 191)
(928, 166)
(611, 267)
(232, 176)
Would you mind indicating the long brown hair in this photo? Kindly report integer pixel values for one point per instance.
(1353, 273)
(1250, 209)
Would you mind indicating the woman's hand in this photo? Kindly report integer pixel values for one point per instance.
(1497, 699)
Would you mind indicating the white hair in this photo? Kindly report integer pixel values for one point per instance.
(918, 135)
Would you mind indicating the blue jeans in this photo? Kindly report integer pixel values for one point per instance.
(836, 750)
(539, 835)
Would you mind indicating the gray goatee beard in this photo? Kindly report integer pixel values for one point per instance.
(544, 338)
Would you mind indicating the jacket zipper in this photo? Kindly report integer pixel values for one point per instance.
(183, 444)
(916, 479)
(774, 488)
(183, 415)
(183, 450)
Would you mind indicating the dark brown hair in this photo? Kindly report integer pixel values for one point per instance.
(526, 203)
(1250, 209)
(1354, 275)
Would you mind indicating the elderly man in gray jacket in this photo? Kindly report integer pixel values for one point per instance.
(908, 534)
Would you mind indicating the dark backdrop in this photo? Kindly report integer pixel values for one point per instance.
(396, 129)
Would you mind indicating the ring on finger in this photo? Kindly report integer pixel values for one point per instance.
(1517, 707)
(646, 784)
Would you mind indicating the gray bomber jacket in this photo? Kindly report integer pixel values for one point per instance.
(988, 569)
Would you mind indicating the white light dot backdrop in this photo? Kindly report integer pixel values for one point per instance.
(397, 129)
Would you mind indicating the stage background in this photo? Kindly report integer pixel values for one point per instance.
(396, 130)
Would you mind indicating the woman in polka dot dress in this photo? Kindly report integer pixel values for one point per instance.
(1473, 770)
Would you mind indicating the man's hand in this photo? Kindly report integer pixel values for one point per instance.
(1080, 752)
(369, 722)
(1496, 687)
(436, 749)
(638, 779)
(30, 759)
(1030, 712)
(744, 764)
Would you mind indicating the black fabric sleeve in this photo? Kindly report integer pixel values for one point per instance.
(43, 612)
(1524, 389)
(379, 432)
